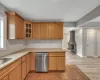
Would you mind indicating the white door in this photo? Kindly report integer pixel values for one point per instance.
(91, 39)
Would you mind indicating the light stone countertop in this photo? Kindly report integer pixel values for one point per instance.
(23, 52)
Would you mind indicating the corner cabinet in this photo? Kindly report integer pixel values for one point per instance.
(15, 26)
(28, 30)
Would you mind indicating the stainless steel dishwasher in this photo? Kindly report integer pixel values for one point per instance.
(41, 62)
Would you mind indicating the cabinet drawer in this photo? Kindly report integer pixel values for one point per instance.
(61, 54)
(23, 58)
(9, 68)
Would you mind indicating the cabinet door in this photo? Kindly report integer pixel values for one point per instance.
(28, 62)
(19, 29)
(36, 30)
(28, 30)
(51, 30)
(32, 58)
(58, 31)
(60, 63)
(5, 78)
(44, 31)
(23, 70)
(15, 74)
(55, 30)
(52, 63)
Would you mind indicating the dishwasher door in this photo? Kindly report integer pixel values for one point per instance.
(41, 62)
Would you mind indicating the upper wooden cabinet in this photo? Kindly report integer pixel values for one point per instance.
(44, 31)
(28, 29)
(18, 28)
(15, 25)
(47, 30)
(55, 30)
(36, 30)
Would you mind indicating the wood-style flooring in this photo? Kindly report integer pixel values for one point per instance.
(71, 73)
(89, 66)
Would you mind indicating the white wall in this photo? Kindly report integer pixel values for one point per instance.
(79, 43)
(44, 43)
(65, 40)
(11, 45)
(95, 34)
(66, 37)
(81, 40)
(98, 41)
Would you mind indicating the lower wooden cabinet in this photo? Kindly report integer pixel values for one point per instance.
(6, 78)
(60, 63)
(28, 65)
(15, 74)
(56, 62)
(19, 69)
(52, 63)
(32, 60)
(24, 70)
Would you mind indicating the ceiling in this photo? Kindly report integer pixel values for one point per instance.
(51, 10)
(97, 19)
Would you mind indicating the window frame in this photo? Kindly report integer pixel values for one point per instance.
(4, 31)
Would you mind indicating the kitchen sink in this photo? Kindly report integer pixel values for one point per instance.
(4, 60)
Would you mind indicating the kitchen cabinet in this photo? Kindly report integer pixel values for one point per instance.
(15, 26)
(28, 65)
(18, 28)
(44, 31)
(47, 30)
(24, 70)
(32, 61)
(18, 70)
(56, 61)
(55, 30)
(36, 31)
(51, 30)
(59, 31)
(60, 63)
(28, 29)
(5, 78)
(15, 74)
(52, 63)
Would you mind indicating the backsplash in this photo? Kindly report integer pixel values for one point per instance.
(12, 46)
(44, 43)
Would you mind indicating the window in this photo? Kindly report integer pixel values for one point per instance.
(2, 32)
